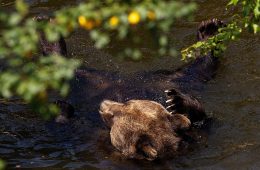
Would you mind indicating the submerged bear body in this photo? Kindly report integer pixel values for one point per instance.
(152, 126)
(144, 129)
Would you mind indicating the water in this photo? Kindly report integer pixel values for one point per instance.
(232, 98)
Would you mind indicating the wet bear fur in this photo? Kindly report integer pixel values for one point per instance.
(144, 129)
(147, 128)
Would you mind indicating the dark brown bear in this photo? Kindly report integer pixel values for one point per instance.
(143, 128)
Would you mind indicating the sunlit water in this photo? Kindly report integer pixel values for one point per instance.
(232, 99)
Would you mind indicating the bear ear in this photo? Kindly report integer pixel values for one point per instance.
(179, 121)
(108, 109)
(145, 148)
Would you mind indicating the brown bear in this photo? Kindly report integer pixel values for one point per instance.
(143, 128)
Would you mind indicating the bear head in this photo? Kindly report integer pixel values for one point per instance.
(143, 129)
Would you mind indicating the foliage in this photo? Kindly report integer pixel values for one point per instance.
(24, 73)
(248, 18)
(2, 165)
(106, 20)
(29, 76)
(217, 43)
(250, 13)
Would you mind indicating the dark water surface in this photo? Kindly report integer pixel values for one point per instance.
(232, 98)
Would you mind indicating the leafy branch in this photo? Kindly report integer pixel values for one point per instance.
(248, 18)
(31, 77)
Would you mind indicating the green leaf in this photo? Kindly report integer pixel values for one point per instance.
(102, 41)
(21, 7)
(51, 34)
(14, 19)
(163, 41)
(2, 165)
(255, 28)
(257, 9)
(136, 54)
(233, 2)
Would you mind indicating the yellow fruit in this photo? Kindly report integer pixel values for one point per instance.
(97, 22)
(89, 24)
(86, 23)
(151, 15)
(82, 20)
(113, 21)
(134, 18)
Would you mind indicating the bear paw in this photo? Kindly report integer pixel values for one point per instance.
(174, 101)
